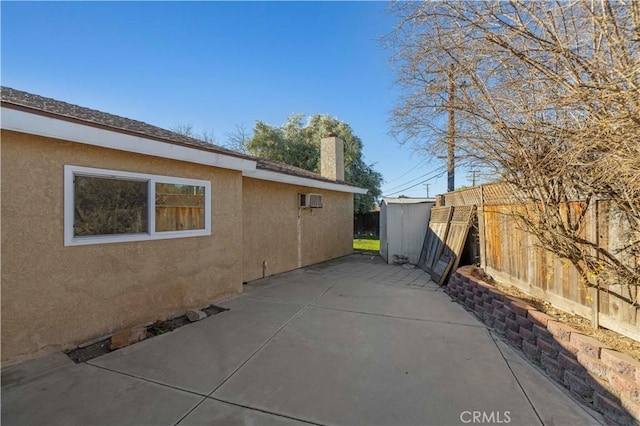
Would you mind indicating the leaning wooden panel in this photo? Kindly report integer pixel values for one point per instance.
(457, 234)
(435, 238)
(441, 269)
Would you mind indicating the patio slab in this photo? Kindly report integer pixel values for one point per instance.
(79, 394)
(212, 413)
(333, 367)
(300, 286)
(352, 341)
(552, 403)
(200, 356)
(375, 297)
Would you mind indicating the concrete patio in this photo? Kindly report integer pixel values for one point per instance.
(352, 341)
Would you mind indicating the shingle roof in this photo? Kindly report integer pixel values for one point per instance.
(274, 166)
(64, 110)
(47, 106)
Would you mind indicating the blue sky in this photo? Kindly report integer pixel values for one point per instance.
(216, 65)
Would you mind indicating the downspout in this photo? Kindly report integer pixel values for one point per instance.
(299, 231)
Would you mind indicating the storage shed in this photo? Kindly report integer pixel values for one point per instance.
(403, 225)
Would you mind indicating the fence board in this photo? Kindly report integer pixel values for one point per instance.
(512, 255)
(179, 218)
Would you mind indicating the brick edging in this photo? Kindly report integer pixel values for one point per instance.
(606, 379)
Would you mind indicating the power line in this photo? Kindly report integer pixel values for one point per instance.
(408, 171)
(437, 175)
(414, 179)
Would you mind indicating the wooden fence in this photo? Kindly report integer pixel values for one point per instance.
(511, 255)
(179, 212)
(367, 224)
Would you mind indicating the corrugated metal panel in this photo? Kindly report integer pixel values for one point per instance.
(406, 200)
(383, 232)
(415, 219)
(402, 229)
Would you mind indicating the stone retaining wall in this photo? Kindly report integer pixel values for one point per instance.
(606, 379)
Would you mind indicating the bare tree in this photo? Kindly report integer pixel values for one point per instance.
(183, 128)
(187, 130)
(238, 140)
(547, 97)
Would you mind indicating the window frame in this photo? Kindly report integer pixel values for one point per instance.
(69, 209)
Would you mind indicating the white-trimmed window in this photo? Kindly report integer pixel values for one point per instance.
(108, 206)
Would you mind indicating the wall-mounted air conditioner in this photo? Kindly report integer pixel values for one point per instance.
(313, 201)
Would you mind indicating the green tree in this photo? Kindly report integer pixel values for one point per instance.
(298, 144)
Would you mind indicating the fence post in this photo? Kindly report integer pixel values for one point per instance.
(482, 230)
(595, 291)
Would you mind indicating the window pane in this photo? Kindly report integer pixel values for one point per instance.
(179, 207)
(104, 206)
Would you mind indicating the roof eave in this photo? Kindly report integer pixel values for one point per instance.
(20, 120)
(302, 181)
(23, 119)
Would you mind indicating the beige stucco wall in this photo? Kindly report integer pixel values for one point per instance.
(55, 297)
(276, 230)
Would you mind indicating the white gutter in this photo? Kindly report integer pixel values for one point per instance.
(25, 122)
(302, 181)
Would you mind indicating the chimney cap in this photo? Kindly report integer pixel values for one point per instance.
(330, 135)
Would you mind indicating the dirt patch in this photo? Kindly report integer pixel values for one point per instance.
(162, 327)
(611, 338)
(102, 347)
(90, 352)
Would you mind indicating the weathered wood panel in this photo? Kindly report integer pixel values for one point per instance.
(603, 241)
(619, 310)
(441, 269)
(179, 212)
(457, 234)
(435, 238)
(179, 218)
(493, 230)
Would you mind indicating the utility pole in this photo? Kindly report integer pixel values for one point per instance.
(451, 130)
(427, 185)
(474, 173)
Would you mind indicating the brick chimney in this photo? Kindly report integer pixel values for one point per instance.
(332, 157)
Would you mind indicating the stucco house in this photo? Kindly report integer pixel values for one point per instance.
(109, 222)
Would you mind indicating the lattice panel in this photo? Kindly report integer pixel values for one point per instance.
(439, 214)
(462, 214)
(465, 197)
(498, 193)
